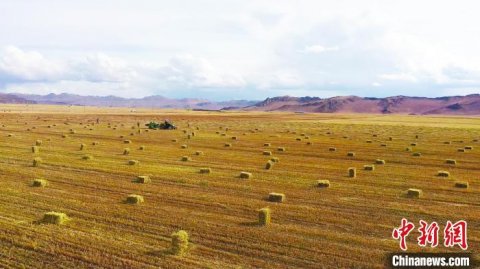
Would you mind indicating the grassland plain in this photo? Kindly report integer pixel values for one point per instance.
(346, 225)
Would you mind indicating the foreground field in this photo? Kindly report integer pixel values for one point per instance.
(347, 225)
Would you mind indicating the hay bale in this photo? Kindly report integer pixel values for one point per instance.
(142, 147)
(39, 182)
(461, 184)
(269, 165)
(82, 146)
(267, 144)
(228, 145)
(414, 193)
(55, 218)
(276, 197)
(417, 154)
(184, 146)
(179, 245)
(185, 159)
(332, 149)
(352, 172)
(38, 142)
(267, 153)
(87, 157)
(443, 174)
(309, 143)
(282, 149)
(451, 161)
(351, 154)
(369, 167)
(413, 144)
(35, 149)
(275, 159)
(390, 138)
(379, 161)
(408, 149)
(205, 170)
(174, 140)
(383, 145)
(369, 141)
(127, 141)
(64, 136)
(198, 153)
(447, 142)
(95, 143)
(133, 162)
(323, 183)
(461, 150)
(299, 139)
(264, 216)
(468, 147)
(10, 135)
(245, 175)
(143, 179)
(134, 199)
(37, 161)
(126, 151)
(234, 138)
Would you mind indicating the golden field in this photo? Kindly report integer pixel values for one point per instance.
(347, 225)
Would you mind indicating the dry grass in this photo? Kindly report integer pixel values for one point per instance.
(347, 225)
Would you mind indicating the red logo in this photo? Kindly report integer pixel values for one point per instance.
(454, 234)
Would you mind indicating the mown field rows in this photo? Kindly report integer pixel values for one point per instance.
(347, 225)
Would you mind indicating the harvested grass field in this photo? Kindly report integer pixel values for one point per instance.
(345, 225)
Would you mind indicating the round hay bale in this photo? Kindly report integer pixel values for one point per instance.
(133, 162)
(264, 216)
(275, 159)
(461, 184)
(228, 145)
(38, 142)
(269, 165)
(267, 144)
(87, 157)
(184, 146)
(179, 243)
(379, 161)
(370, 167)
(55, 218)
(143, 179)
(35, 149)
(82, 146)
(39, 182)
(126, 151)
(451, 161)
(198, 153)
(443, 174)
(185, 159)
(267, 153)
(205, 170)
(414, 193)
(323, 183)
(282, 149)
(142, 147)
(417, 154)
(134, 199)
(127, 141)
(37, 161)
(461, 150)
(352, 172)
(351, 154)
(245, 175)
(276, 197)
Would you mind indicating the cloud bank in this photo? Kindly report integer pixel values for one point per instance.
(240, 49)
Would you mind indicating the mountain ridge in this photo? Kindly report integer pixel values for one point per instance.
(400, 104)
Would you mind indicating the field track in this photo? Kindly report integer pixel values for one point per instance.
(347, 225)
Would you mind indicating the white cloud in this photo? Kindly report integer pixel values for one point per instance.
(399, 76)
(315, 49)
(16, 64)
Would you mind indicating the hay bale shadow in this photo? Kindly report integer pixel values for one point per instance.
(250, 224)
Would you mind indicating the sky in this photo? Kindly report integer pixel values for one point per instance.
(226, 49)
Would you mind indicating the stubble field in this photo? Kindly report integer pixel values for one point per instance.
(347, 225)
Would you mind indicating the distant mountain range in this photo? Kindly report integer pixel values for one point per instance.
(450, 105)
(155, 101)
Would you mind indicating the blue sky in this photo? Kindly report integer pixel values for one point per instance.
(228, 49)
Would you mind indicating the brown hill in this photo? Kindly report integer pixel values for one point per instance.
(454, 105)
